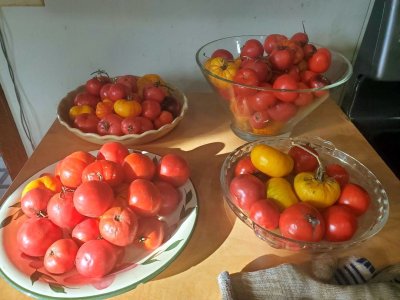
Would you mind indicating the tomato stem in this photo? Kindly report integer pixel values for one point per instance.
(319, 173)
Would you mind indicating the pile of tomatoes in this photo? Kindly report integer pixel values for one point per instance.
(278, 62)
(122, 105)
(86, 213)
(295, 193)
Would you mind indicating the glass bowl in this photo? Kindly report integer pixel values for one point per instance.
(369, 223)
(281, 116)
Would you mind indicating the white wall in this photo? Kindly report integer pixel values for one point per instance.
(55, 48)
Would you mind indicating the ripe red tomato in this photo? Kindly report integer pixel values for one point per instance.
(170, 197)
(309, 50)
(119, 225)
(300, 37)
(104, 170)
(172, 105)
(304, 98)
(94, 85)
(245, 166)
(96, 258)
(273, 41)
(36, 235)
(86, 98)
(110, 124)
(117, 91)
(303, 161)
(72, 166)
(259, 119)
(93, 198)
(261, 67)
(154, 93)
(252, 48)
(86, 230)
(265, 212)
(144, 197)
(130, 82)
(282, 111)
(285, 82)
(34, 202)
(281, 59)
(320, 61)
(62, 212)
(86, 122)
(245, 77)
(60, 256)
(341, 223)
(104, 91)
(222, 53)
(151, 109)
(138, 165)
(136, 125)
(113, 151)
(164, 118)
(262, 100)
(339, 173)
(355, 197)
(174, 169)
(246, 189)
(302, 222)
(150, 234)
(319, 82)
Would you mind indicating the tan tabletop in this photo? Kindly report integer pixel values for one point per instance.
(221, 242)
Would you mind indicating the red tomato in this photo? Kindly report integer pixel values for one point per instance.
(136, 125)
(285, 82)
(302, 222)
(94, 85)
(86, 122)
(252, 48)
(262, 100)
(119, 225)
(282, 111)
(300, 37)
(303, 160)
(339, 173)
(138, 165)
(319, 82)
(61, 211)
(60, 256)
(172, 105)
(355, 197)
(245, 77)
(164, 118)
(222, 53)
(144, 197)
(309, 50)
(86, 98)
(34, 202)
(246, 189)
(261, 67)
(150, 234)
(104, 170)
(304, 98)
(281, 59)
(110, 124)
(307, 76)
(340, 222)
(154, 93)
(170, 198)
(260, 119)
(72, 166)
(151, 109)
(36, 235)
(96, 258)
(130, 82)
(117, 91)
(104, 91)
(265, 213)
(320, 61)
(174, 169)
(93, 198)
(113, 151)
(273, 41)
(86, 230)
(245, 166)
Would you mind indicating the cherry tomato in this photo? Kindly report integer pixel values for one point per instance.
(60, 256)
(144, 197)
(300, 37)
(138, 165)
(96, 258)
(246, 189)
(320, 61)
(252, 48)
(261, 67)
(340, 222)
(266, 213)
(170, 197)
(164, 118)
(222, 53)
(261, 100)
(355, 197)
(273, 41)
(34, 202)
(150, 234)
(339, 173)
(302, 222)
(282, 111)
(110, 124)
(136, 125)
(86, 230)
(86, 122)
(245, 166)
(86, 98)
(104, 170)
(113, 151)
(119, 225)
(303, 161)
(36, 235)
(174, 169)
(94, 85)
(245, 77)
(285, 82)
(281, 59)
(151, 109)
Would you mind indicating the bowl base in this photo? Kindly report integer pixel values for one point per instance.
(251, 137)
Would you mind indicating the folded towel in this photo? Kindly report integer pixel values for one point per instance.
(349, 278)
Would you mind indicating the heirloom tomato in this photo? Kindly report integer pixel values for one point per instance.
(72, 166)
(138, 165)
(154, 93)
(265, 213)
(86, 230)
(104, 108)
(130, 81)
(136, 125)
(48, 182)
(245, 77)
(104, 170)
(113, 151)
(223, 68)
(144, 197)
(174, 169)
(80, 109)
(94, 85)
(252, 48)
(170, 197)
(285, 82)
(127, 108)
(151, 109)
(280, 190)
(86, 122)
(86, 98)
(150, 234)
(271, 161)
(246, 189)
(34, 202)
(356, 198)
(340, 222)
(273, 41)
(117, 91)
(245, 166)
(110, 124)
(304, 161)
(60, 256)
(339, 173)
(164, 118)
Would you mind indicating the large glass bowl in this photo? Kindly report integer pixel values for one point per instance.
(240, 108)
(369, 223)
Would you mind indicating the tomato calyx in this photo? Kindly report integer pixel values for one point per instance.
(100, 73)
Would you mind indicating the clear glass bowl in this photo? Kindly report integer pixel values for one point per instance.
(241, 112)
(369, 224)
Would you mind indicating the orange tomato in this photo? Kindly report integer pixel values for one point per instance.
(80, 109)
(127, 108)
(46, 181)
(104, 108)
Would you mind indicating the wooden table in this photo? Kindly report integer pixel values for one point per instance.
(220, 241)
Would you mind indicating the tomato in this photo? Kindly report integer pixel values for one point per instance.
(245, 166)
(80, 109)
(110, 124)
(150, 234)
(261, 67)
(104, 91)
(302, 222)
(260, 119)
(245, 77)
(309, 50)
(45, 181)
(36, 235)
(273, 41)
(320, 61)
(170, 197)
(356, 198)
(96, 258)
(303, 160)
(138, 165)
(319, 82)
(113, 151)
(72, 166)
(151, 109)
(304, 98)
(86, 122)
(271, 161)
(93, 198)
(281, 59)
(262, 100)
(280, 191)
(144, 197)
(172, 105)
(174, 169)
(117, 91)
(340, 222)
(246, 189)
(127, 108)
(222, 53)
(223, 68)
(104, 170)
(130, 82)
(136, 125)
(265, 213)
(300, 37)
(86, 230)
(164, 118)
(339, 173)
(94, 85)
(285, 82)
(252, 48)
(118, 225)
(294, 71)
(154, 93)
(104, 108)
(34, 202)
(86, 98)
(60, 256)
(282, 111)
(61, 211)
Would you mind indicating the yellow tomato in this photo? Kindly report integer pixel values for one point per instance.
(80, 109)
(319, 193)
(271, 161)
(280, 190)
(222, 68)
(49, 182)
(127, 108)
